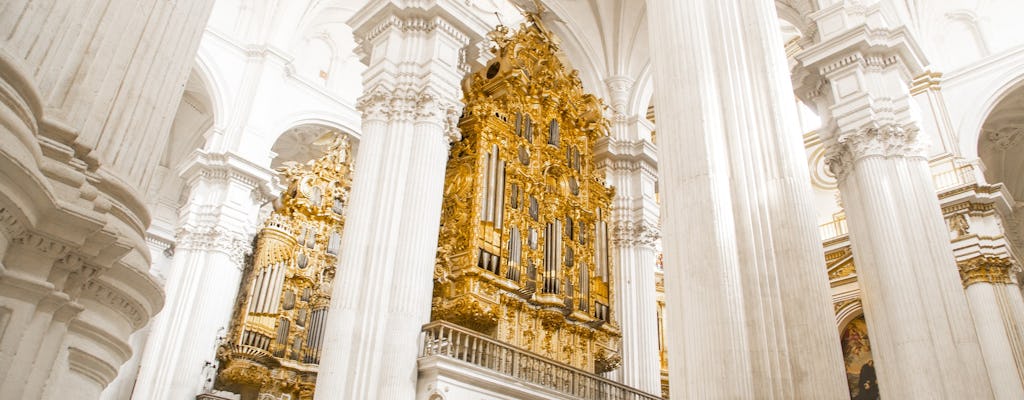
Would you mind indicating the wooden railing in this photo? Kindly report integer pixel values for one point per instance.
(444, 339)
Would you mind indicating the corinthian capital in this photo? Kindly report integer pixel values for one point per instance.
(635, 233)
(407, 104)
(886, 140)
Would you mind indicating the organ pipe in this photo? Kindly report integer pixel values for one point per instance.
(282, 314)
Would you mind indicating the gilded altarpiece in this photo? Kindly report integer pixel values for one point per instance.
(523, 249)
(273, 346)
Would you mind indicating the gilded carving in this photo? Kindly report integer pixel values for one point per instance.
(276, 334)
(985, 269)
(523, 245)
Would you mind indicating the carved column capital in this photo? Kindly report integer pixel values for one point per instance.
(626, 233)
(884, 140)
(985, 269)
(619, 88)
(234, 244)
(408, 104)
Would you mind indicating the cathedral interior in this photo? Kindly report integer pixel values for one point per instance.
(511, 199)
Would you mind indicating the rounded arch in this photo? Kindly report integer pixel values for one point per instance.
(214, 83)
(848, 312)
(577, 50)
(795, 13)
(978, 112)
(643, 91)
(294, 141)
(349, 126)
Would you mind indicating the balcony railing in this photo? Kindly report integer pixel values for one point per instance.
(957, 175)
(442, 338)
(834, 229)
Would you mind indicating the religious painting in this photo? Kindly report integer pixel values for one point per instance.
(860, 365)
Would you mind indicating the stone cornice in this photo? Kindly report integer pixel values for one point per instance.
(861, 41)
(229, 166)
(618, 154)
(454, 18)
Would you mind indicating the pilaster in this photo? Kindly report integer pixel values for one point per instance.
(629, 163)
(214, 233)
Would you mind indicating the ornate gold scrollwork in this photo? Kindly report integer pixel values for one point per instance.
(274, 342)
(523, 246)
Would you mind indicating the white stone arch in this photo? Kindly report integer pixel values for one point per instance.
(643, 91)
(333, 120)
(215, 89)
(969, 130)
(796, 12)
(579, 55)
(848, 313)
(306, 119)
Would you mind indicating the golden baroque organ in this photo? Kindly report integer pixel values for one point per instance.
(274, 342)
(523, 249)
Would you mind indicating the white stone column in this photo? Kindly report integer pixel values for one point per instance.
(922, 337)
(992, 307)
(215, 231)
(415, 52)
(87, 92)
(629, 163)
(745, 285)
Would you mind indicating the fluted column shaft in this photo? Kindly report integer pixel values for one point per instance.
(629, 164)
(214, 232)
(993, 308)
(410, 110)
(922, 337)
(745, 289)
(87, 91)
(637, 312)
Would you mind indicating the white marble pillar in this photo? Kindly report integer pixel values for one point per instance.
(215, 231)
(922, 336)
(87, 92)
(415, 52)
(629, 163)
(985, 281)
(746, 292)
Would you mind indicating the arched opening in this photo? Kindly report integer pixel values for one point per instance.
(302, 143)
(1001, 143)
(193, 120)
(860, 368)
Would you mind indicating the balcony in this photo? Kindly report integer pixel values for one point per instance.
(511, 371)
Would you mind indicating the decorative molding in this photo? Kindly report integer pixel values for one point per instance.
(10, 224)
(117, 300)
(41, 244)
(91, 366)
